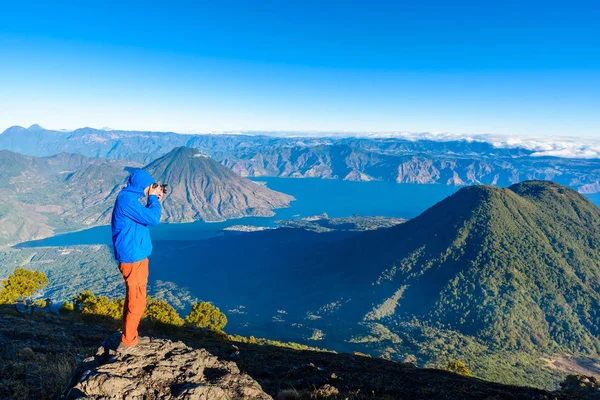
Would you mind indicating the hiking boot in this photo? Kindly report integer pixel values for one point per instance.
(136, 350)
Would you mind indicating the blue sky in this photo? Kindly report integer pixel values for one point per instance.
(505, 67)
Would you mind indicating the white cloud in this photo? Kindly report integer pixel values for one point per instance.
(564, 147)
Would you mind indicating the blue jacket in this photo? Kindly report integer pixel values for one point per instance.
(130, 219)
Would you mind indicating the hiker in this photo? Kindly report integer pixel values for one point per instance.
(132, 246)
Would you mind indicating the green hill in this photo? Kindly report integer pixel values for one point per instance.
(517, 267)
(485, 272)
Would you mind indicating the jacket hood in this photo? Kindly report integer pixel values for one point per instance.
(139, 180)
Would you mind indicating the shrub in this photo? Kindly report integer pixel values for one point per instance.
(22, 284)
(42, 303)
(459, 367)
(205, 315)
(161, 314)
(98, 306)
(82, 298)
(268, 342)
(66, 308)
(410, 358)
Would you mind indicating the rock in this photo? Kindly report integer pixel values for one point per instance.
(584, 386)
(26, 354)
(166, 370)
(288, 394)
(327, 391)
(10, 352)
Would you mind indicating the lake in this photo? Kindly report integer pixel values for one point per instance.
(313, 196)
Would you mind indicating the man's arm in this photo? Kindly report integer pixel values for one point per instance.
(149, 215)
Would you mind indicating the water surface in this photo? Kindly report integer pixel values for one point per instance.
(313, 196)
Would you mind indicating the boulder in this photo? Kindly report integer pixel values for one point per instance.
(163, 370)
(587, 387)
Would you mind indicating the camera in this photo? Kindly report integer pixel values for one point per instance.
(163, 187)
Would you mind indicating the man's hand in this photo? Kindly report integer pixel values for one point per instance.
(157, 191)
(160, 195)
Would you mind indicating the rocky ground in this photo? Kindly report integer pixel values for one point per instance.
(48, 356)
(163, 369)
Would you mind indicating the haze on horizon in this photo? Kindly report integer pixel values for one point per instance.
(510, 68)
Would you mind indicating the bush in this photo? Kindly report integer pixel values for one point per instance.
(268, 342)
(82, 298)
(66, 308)
(98, 306)
(458, 367)
(205, 315)
(158, 314)
(161, 314)
(22, 284)
(42, 303)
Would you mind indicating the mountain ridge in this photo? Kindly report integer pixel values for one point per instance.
(200, 187)
(488, 221)
(67, 191)
(356, 159)
(487, 275)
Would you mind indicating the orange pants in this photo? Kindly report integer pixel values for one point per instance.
(136, 279)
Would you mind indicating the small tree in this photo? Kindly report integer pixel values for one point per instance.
(21, 285)
(83, 298)
(410, 358)
(459, 367)
(66, 308)
(161, 314)
(205, 315)
(43, 303)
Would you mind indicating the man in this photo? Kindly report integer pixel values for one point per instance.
(132, 246)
